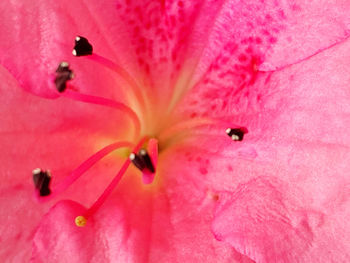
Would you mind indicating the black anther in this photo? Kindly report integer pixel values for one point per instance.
(147, 160)
(82, 47)
(137, 161)
(42, 181)
(235, 134)
(63, 74)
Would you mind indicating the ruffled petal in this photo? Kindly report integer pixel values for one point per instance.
(258, 222)
(268, 221)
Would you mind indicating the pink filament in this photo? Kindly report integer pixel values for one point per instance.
(121, 72)
(112, 185)
(86, 165)
(182, 126)
(82, 168)
(105, 102)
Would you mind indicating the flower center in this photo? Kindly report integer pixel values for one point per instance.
(157, 134)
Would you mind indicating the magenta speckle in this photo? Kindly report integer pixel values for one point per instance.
(272, 40)
(203, 170)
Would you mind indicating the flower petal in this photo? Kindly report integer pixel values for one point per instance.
(256, 220)
(37, 36)
(138, 223)
(311, 27)
(298, 128)
(56, 135)
(253, 36)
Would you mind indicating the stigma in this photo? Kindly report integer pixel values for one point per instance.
(80, 221)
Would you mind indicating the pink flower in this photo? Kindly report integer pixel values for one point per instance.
(277, 70)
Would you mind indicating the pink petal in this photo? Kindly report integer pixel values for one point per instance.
(167, 221)
(155, 40)
(156, 227)
(258, 222)
(37, 36)
(146, 39)
(251, 95)
(296, 188)
(310, 28)
(36, 132)
(135, 225)
(252, 36)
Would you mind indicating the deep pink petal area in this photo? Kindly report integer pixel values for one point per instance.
(249, 35)
(157, 41)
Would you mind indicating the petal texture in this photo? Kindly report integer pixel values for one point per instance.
(253, 36)
(290, 201)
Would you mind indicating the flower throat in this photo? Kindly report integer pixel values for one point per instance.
(143, 154)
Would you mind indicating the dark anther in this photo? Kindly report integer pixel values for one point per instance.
(142, 161)
(137, 161)
(42, 181)
(147, 160)
(82, 47)
(236, 134)
(63, 74)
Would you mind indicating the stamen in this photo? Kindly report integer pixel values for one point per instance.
(137, 161)
(109, 188)
(86, 165)
(147, 160)
(42, 180)
(82, 47)
(153, 150)
(142, 161)
(235, 134)
(63, 74)
(182, 126)
(147, 176)
(106, 102)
